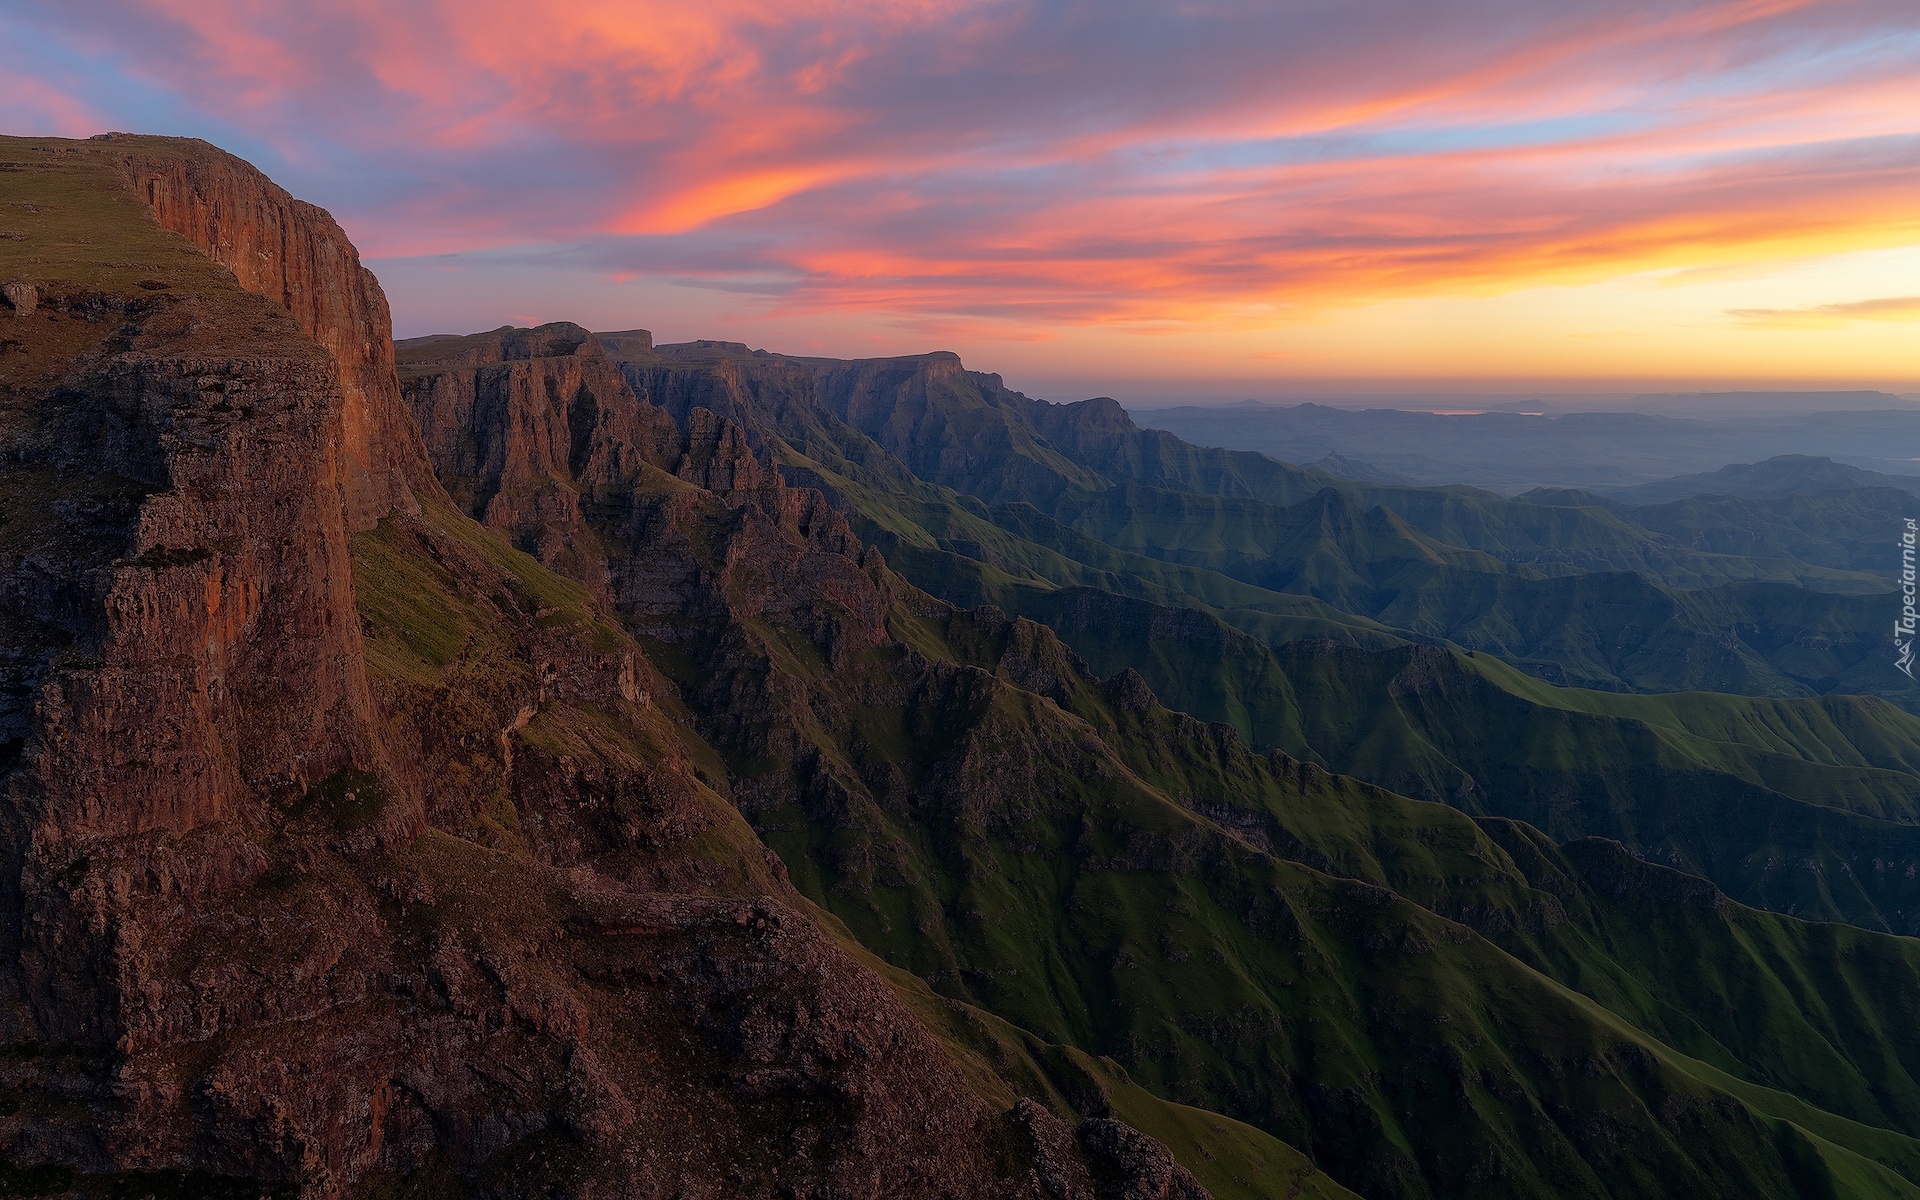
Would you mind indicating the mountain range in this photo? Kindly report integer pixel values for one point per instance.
(1512, 447)
(544, 763)
(1783, 475)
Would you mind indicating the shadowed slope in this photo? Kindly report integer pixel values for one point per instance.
(1241, 932)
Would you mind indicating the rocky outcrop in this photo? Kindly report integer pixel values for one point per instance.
(295, 254)
(529, 426)
(537, 433)
(1132, 1166)
(22, 297)
(725, 548)
(717, 456)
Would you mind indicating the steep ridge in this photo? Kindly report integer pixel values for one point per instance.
(1098, 436)
(532, 399)
(1782, 475)
(1575, 594)
(1806, 806)
(1783, 840)
(1844, 528)
(1242, 932)
(296, 256)
(350, 851)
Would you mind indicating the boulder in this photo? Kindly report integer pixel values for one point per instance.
(22, 295)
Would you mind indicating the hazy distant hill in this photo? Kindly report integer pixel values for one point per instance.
(1707, 406)
(1353, 468)
(1715, 405)
(1512, 451)
(1784, 475)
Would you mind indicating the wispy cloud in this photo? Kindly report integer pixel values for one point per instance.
(1220, 162)
(1818, 316)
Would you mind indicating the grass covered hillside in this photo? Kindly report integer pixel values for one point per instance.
(1291, 605)
(1424, 1001)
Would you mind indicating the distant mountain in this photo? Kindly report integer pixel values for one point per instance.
(1702, 406)
(1782, 475)
(1511, 451)
(1353, 468)
(1759, 404)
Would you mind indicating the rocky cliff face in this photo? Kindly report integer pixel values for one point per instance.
(348, 850)
(296, 256)
(532, 427)
(186, 654)
(700, 544)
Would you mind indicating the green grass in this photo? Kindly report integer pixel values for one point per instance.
(81, 226)
(1088, 908)
(1232, 1160)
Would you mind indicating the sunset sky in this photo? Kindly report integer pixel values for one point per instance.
(1176, 197)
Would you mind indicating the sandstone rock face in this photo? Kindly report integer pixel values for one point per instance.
(296, 255)
(531, 425)
(237, 601)
(210, 667)
(718, 458)
(22, 296)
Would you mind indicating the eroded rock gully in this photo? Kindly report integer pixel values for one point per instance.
(348, 850)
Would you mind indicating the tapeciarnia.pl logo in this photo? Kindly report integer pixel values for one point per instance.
(1903, 626)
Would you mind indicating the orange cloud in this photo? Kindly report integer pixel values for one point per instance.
(1030, 165)
(723, 196)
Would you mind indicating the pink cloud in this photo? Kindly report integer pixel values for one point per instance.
(1024, 162)
(38, 106)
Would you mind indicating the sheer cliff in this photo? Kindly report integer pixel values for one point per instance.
(299, 259)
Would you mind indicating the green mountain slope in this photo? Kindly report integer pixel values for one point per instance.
(1803, 805)
(1781, 475)
(1842, 529)
(1374, 979)
(1578, 595)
